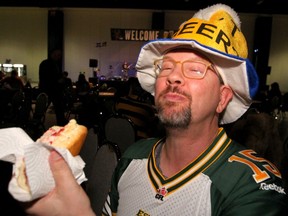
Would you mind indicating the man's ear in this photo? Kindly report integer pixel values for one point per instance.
(226, 95)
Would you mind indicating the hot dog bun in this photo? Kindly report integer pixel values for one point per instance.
(71, 136)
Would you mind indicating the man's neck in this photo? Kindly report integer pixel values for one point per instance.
(183, 147)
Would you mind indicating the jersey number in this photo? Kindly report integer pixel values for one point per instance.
(259, 174)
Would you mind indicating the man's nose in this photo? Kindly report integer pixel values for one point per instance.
(176, 76)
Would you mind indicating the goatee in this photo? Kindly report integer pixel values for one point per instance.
(172, 114)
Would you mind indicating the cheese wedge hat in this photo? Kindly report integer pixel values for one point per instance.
(215, 32)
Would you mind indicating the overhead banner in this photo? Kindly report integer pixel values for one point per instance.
(139, 34)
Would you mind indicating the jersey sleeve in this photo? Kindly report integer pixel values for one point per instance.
(248, 185)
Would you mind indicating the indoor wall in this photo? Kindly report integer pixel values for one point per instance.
(23, 39)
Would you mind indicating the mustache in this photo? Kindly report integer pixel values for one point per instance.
(174, 89)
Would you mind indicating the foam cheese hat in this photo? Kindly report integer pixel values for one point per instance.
(215, 32)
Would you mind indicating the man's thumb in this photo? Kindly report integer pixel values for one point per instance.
(60, 169)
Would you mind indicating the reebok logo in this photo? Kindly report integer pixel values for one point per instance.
(264, 186)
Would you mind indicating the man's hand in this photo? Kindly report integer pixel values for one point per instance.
(67, 198)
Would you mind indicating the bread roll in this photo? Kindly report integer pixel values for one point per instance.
(70, 136)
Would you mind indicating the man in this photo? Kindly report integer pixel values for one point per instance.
(200, 78)
(13, 82)
(50, 77)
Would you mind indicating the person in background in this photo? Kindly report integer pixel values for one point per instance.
(274, 90)
(9, 86)
(69, 94)
(274, 96)
(82, 85)
(67, 82)
(12, 82)
(82, 90)
(50, 77)
(125, 69)
(201, 79)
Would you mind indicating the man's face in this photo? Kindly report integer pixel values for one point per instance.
(181, 101)
(56, 55)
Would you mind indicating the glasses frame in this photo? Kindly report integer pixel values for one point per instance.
(208, 66)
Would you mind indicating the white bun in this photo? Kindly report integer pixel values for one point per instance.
(71, 136)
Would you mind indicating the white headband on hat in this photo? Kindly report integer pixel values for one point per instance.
(219, 38)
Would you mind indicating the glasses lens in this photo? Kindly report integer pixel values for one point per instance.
(194, 70)
(164, 67)
(191, 69)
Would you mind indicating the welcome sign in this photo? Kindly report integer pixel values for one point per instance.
(139, 34)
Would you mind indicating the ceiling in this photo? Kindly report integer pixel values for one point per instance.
(241, 6)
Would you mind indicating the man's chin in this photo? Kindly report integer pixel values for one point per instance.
(175, 118)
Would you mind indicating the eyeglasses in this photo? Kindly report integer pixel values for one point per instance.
(190, 69)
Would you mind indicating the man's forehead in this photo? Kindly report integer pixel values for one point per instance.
(187, 50)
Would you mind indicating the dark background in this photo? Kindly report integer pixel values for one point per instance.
(244, 6)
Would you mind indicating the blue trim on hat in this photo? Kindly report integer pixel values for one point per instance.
(252, 78)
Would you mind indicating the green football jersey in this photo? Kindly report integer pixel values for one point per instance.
(226, 179)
